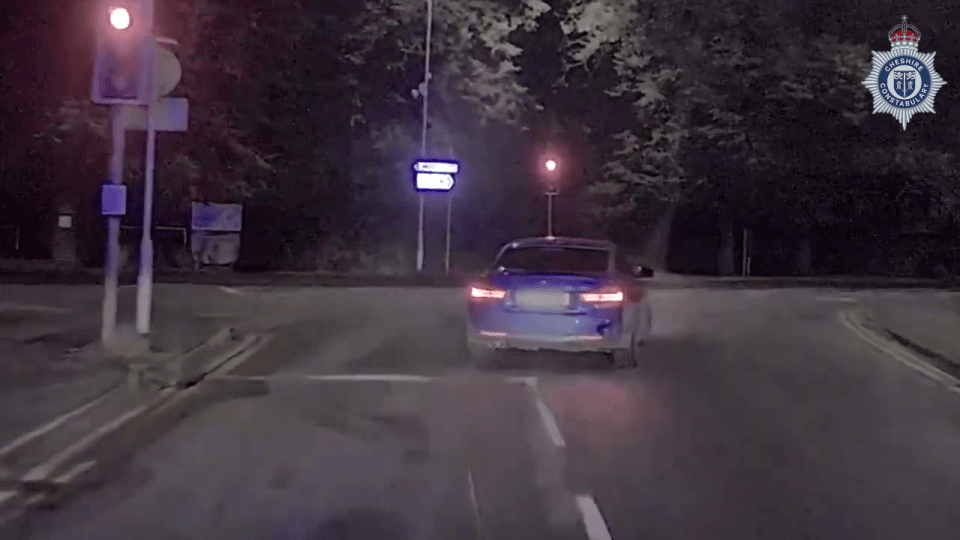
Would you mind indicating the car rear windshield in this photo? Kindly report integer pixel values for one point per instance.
(550, 259)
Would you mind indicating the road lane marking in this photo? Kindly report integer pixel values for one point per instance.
(40, 308)
(232, 290)
(546, 416)
(53, 424)
(473, 500)
(247, 348)
(895, 351)
(42, 472)
(529, 381)
(76, 471)
(360, 377)
(841, 299)
(592, 518)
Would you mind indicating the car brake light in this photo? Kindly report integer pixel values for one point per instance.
(487, 293)
(604, 297)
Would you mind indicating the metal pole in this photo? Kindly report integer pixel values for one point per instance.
(420, 236)
(549, 214)
(449, 210)
(423, 131)
(145, 279)
(111, 267)
(449, 216)
(743, 259)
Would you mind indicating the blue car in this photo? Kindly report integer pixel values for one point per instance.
(560, 294)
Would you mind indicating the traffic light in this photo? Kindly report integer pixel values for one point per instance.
(124, 43)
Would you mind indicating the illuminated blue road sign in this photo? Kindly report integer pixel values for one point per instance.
(435, 175)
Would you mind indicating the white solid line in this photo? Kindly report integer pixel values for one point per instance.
(549, 422)
(529, 381)
(33, 307)
(592, 518)
(68, 476)
(6, 496)
(897, 353)
(243, 351)
(42, 471)
(473, 499)
(51, 425)
(359, 377)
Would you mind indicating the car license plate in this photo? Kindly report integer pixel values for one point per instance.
(540, 299)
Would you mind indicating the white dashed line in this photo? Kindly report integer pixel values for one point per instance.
(592, 518)
(546, 416)
(473, 500)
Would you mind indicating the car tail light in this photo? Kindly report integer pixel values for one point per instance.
(611, 296)
(486, 292)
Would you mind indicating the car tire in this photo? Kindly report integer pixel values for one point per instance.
(646, 325)
(627, 358)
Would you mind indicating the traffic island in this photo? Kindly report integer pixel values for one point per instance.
(70, 451)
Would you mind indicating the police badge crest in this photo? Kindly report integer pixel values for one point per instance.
(903, 81)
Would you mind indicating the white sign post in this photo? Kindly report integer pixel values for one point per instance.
(164, 77)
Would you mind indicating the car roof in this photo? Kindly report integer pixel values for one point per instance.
(562, 241)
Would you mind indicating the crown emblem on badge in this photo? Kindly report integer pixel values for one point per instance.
(903, 81)
(904, 35)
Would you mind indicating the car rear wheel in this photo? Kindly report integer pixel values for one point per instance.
(627, 358)
(646, 325)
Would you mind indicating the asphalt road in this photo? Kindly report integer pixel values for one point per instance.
(755, 414)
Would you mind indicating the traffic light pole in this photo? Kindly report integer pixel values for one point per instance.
(112, 264)
(550, 214)
(145, 278)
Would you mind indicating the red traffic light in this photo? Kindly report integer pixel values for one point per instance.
(119, 18)
(123, 52)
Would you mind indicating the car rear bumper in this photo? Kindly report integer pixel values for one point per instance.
(504, 329)
(529, 342)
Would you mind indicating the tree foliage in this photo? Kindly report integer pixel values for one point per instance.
(753, 115)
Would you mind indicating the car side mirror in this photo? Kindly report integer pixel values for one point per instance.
(643, 272)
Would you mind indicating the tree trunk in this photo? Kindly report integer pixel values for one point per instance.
(658, 248)
(725, 258)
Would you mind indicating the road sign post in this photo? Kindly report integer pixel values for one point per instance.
(424, 125)
(438, 176)
(145, 277)
(124, 30)
(111, 273)
(130, 69)
(164, 74)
